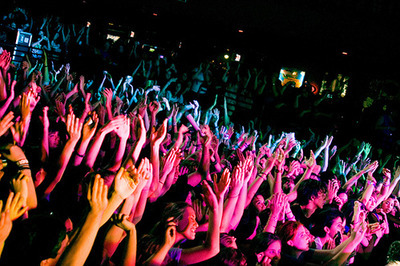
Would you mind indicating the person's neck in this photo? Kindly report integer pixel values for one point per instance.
(179, 238)
(294, 252)
(308, 209)
(324, 239)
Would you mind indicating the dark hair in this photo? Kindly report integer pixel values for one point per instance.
(262, 241)
(230, 257)
(393, 254)
(307, 189)
(33, 240)
(325, 218)
(150, 243)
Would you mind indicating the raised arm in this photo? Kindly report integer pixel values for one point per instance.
(74, 128)
(79, 248)
(210, 247)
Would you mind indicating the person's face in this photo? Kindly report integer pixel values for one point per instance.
(54, 139)
(259, 203)
(371, 204)
(272, 254)
(188, 225)
(289, 185)
(301, 239)
(229, 241)
(387, 205)
(337, 226)
(319, 201)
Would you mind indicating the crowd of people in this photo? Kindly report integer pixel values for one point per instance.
(170, 165)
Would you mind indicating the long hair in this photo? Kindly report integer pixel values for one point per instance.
(287, 231)
(151, 242)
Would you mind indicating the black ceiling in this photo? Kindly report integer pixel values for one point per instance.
(300, 30)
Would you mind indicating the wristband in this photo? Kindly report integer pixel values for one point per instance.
(79, 155)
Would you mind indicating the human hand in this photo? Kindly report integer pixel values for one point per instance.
(123, 129)
(209, 196)
(386, 175)
(154, 107)
(170, 233)
(158, 136)
(44, 118)
(6, 123)
(14, 205)
(280, 159)
(127, 180)
(333, 188)
(97, 195)
(113, 124)
(108, 94)
(370, 169)
(74, 127)
(20, 185)
(222, 185)
(277, 203)
(140, 129)
(90, 126)
(169, 160)
(5, 225)
(60, 110)
(28, 103)
(237, 180)
(122, 221)
(310, 162)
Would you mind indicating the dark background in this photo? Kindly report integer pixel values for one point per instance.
(310, 33)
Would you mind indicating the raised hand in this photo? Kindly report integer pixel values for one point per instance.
(123, 129)
(140, 129)
(6, 123)
(127, 180)
(122, 221)
(5, 225)
(209, 196)
(90, 126)
(158, 136)
(97, 196)
(20, 185)
(277, 203)
(154, 107)
(74, 127)
(15, 205)
(222, 185)
(44, 118)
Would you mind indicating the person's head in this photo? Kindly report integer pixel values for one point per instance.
(311, 191)
(329, 223)
(387, 204)
(294, 236)
(258, 203)
(371, 203)
(39, 240)
(183, 215)
(287, 184)
(228, 241)
(231, 257)
(267, 247)
(393, 255)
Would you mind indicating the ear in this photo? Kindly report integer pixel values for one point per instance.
(259, 256)
(326, 229)
(290, 243)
